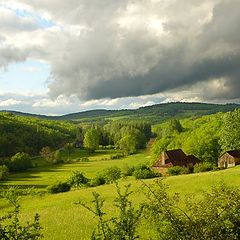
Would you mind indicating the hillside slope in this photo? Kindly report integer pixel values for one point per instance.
(30, 134)
(155, 113)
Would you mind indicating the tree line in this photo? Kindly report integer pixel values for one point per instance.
(128, 136)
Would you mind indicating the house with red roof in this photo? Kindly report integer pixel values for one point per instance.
(175, 158)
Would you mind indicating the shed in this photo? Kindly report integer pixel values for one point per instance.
(229, 159)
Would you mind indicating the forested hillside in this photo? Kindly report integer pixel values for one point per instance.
(198, 136)
(29, 134)
(205, 137)
(154, 114)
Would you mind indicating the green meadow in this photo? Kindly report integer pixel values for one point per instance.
(62, 219)
(44, 174)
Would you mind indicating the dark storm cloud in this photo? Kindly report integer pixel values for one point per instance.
(139, 62)
(164, 77)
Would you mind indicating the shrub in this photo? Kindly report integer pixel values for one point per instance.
(177, 170)
(190, 168)
(97, 181)
(20, 162)
(109, 147)
(216, 169)
(59, 187)
(127, 170)
(77, 179)
(111, 174)
(101, 147)
(84, 159)
(145, 172)
(213, 216)
(203, 167)
(3, 172)
(116, 156)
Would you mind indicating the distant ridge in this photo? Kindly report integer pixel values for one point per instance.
(159, 111)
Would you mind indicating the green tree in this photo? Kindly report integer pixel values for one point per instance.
(57, 157)
(20, 161)
(203, 144)
(68, 147)
(91, 139)
(173, 125)
(3, 172)
(159, 146)
(79, 134)
(230, 137)
(128, 144)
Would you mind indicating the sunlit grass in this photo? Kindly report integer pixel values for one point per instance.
(62, 219)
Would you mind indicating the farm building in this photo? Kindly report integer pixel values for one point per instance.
(229, 159)
(175, 158)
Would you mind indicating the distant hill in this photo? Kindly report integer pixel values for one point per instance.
(155, 113)
(30, 134)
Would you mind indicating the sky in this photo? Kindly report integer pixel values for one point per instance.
(58, 56)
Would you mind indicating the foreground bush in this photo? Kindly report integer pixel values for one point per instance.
(121, 227)
(59, 187)
(11, 227)
(3, 172)
(77, 179)
(215, 216)
(144, 172)
(203, 167)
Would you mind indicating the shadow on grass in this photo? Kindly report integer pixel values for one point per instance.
(31, 174)
(42, 186)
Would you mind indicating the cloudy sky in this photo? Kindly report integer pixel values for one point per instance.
(59, 56)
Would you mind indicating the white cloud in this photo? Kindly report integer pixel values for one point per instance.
(10, 102)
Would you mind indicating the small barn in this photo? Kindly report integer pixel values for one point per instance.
(229, 159)
(175, 158)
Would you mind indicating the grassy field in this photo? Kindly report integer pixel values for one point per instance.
(42, 176)
(62, 219)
